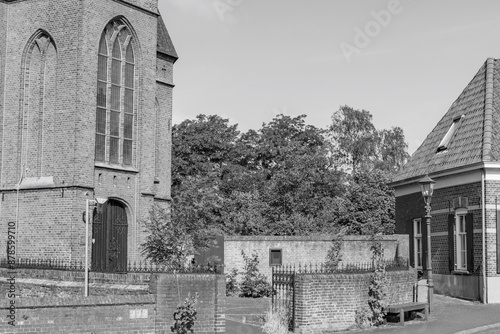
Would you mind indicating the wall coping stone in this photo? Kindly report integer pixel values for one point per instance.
(79, 301)
(71, 284)
(368, 238)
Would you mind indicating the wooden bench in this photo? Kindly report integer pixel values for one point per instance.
(408, 307)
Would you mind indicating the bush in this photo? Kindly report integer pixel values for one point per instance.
(232, 287)
(363, 316)
(276, 322)
(185, 316)
(167, 243)
(254, 284)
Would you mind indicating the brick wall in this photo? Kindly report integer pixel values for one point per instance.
(304, 250)
(60, 308)
(94, 314)
(328, 302)
(411, 206)
(173, 289)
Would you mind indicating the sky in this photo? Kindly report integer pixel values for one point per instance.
(405, 61)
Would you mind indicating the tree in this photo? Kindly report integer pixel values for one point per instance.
(196, 206)
(392, 150)
(199, 146)
(354, 137)
(368, 207)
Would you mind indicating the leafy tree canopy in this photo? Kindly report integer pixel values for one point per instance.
(286, 178)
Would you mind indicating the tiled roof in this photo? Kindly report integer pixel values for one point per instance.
(477, 135)
(164, 42)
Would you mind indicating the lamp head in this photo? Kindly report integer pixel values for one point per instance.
(427, 188)
(99, 201)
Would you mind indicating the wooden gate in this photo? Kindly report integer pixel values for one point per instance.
(109, 231)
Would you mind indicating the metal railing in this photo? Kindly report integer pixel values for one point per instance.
(132, 267)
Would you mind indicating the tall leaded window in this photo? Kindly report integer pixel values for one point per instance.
(39, 99)
(115, 96)
(461, 242)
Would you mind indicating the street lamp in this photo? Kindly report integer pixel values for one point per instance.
(427, 188)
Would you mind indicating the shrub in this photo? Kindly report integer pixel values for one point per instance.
(232, 287)
(166, 243)
(377, 291)
(276, 322)
(185, 316)
(374, 313)
(363, 317)
(334, 256)
(254, 284)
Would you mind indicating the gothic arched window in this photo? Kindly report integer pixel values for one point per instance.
(115, 96)
(38, 102)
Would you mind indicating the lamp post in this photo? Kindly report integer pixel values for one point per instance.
(98, 202)
(427, 188)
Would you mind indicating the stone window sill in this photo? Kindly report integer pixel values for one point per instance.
(104, 165)
(460, 272)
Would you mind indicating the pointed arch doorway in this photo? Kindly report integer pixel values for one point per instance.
(110, 231)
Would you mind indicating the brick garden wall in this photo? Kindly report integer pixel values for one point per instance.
(329, 301)
(303, 250)
(47, 301)
(94, 314)
(171, 289)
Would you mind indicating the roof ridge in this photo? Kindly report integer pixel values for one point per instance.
(488, 110)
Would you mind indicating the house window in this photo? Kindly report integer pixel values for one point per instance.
(275, 257)
(445, 142)
(460, 241)
(418, 242)
(115, 96)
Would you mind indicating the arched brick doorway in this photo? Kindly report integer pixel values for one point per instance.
(109, 231)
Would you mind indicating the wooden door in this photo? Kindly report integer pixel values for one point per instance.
(110, 230)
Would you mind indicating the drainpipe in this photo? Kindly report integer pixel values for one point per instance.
(483, 229)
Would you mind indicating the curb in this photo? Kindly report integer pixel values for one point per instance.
(479, 329)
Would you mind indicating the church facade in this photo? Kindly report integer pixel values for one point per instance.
(85, 113)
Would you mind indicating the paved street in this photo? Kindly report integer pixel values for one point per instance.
(235, 327)
(450, 316)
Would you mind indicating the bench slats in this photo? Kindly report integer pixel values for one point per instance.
(395, 308)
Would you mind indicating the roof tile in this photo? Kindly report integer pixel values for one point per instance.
(466, 146)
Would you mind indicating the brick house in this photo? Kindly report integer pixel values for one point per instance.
(462, 154)
(85, 112)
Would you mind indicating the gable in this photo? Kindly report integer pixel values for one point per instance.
(164, 43)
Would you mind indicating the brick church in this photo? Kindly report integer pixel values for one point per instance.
(85, 113)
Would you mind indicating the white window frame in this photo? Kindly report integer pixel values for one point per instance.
(460, 240)
(418, 241)
(445, 142)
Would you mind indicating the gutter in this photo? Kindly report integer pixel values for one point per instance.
(483, 227)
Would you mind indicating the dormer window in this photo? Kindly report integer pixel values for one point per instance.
(445, 142)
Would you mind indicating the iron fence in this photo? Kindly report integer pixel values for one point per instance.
(283, 294)
(132, 267)
(348, 267)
